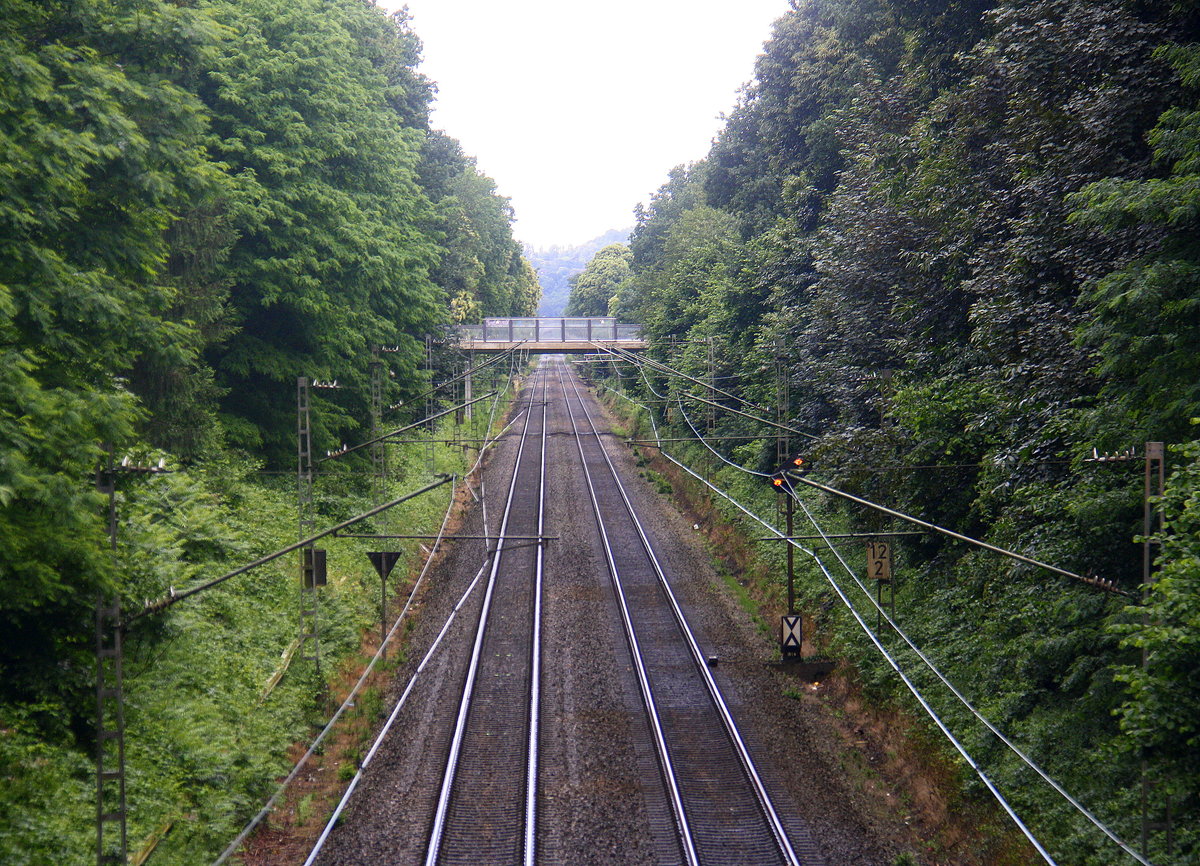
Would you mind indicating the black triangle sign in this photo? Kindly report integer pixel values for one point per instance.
(384, 561)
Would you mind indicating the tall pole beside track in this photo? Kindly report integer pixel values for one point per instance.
(110, 699)
(310, 647)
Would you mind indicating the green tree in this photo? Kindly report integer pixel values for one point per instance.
(479, 258)
(1145, 316)
(99, 151)
(331, 257)
(596, 286)
(1161, 714)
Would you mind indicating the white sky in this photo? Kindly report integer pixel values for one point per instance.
(579, 110)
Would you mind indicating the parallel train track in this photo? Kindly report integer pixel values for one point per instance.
(487, 808)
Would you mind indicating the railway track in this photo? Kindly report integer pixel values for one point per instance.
(659, 764)
(487, 807)
(720, 804)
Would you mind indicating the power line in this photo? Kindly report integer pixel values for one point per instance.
(1099, 583)
(894, 665)
(966, 703)
(173, 598)
(477, 368)
(633, 357)
(769, 423)
(403, 429)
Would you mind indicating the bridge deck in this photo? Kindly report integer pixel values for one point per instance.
(548, 347)
(548, 335)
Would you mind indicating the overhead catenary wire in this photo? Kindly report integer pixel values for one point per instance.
(962, 699)
(483, 365)
(765, 421)
(929, 664)
(172, 598)
(403, 429)
(1097, 582)
(635, 358)
(996, 794)
(718, 454)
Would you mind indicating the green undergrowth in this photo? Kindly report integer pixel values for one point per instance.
(207, 731)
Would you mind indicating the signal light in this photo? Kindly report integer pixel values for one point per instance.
(795, 467)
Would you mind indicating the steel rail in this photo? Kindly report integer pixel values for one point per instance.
(743, 753)
(438, 829)
(535, 658)
(229, 851)
(391, 719)
(660, 741)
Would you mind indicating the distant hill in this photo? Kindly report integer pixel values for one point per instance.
(556, 265)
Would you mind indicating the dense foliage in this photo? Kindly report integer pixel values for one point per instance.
(200, 201)
(966, 232)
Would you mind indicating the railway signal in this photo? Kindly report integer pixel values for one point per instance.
(384, 561)
(791, 624)
(795, 468)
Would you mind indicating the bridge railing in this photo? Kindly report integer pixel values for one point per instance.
(549, 330)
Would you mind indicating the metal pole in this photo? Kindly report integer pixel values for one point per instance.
(110, 740)
(383, 617)
(1155, 453)
(712, 388)
(310, 645)
(430, 455)
(791, 561)
(377, 450)
(110, 695)
(470, 413)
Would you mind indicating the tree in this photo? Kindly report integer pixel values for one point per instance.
(594, 288)
(99, 152)
(332, 256)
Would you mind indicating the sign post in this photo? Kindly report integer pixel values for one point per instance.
(879, 568)
(384, 561)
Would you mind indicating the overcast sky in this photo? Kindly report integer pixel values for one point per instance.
(578, 110)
